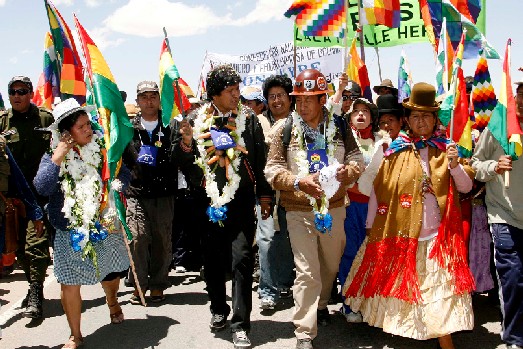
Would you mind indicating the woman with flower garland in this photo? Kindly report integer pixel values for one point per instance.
(410, 276)
(227, 157)
(85, 252)
(312, 159)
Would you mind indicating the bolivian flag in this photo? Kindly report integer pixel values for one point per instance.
(118, 130)
(169, 97)
(504, 124)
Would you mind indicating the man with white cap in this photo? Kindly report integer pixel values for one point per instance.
(28, 146)
(252, 97)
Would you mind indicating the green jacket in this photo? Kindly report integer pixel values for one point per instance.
(27, 145)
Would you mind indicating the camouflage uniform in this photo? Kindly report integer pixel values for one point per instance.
(28, 146)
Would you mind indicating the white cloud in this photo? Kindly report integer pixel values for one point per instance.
(13, 60)
(101, 38)
(2, 2)
(93, 3)
(264, 11)
(147, 18)
(63, 2)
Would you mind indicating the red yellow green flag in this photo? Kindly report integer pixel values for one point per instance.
(504, 124)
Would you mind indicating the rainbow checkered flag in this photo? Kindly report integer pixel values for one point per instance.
(319, 17)
(380, 12)
(483, 96)
(72, 83)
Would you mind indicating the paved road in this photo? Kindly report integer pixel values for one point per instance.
(182, 322)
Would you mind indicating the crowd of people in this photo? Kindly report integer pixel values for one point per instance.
(333, 196)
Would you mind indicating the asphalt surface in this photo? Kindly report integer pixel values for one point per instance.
(182, 321)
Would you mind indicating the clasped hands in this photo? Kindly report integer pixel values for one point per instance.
(345, 174)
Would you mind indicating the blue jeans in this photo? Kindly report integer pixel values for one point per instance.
(356, 216)
(276, 259)
(508, 256)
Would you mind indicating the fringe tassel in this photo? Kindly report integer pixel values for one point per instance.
(388, 269)
(449, 249)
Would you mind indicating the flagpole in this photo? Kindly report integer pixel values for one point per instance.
(345, 34)
(360, 34)
(294, 49)
(177, 86)
(379, 64)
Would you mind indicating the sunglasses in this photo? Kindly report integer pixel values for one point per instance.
(345, 98)
(19, 91)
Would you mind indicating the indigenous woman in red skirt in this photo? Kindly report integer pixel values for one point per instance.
(411, 277)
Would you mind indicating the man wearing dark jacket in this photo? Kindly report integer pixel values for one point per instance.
(150, 195)
(228, 146)
(28, 145)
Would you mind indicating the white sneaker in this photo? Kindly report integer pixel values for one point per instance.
(267, 303)
(180, 269)
(352, 317)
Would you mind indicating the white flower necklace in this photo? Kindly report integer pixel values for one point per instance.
(82, 187)
(202, 126)
(301, 155)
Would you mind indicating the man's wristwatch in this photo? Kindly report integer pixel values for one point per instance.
(297, 184)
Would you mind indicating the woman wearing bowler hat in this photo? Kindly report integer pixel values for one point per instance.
(411, 276)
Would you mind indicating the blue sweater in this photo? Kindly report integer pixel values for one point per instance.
(47, 183)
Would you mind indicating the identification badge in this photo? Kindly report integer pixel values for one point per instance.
(317, 159)
(147, 155)
(222, 140)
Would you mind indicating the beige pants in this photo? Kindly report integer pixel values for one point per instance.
(317, 259)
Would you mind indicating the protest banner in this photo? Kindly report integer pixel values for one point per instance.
(255, 67)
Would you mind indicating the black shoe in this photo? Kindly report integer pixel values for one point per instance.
(240, 339)
(305, 343)
(34, 304)
(218, 322)
(324, 317)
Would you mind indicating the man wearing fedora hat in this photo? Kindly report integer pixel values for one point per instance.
(27, 146)
(386, 87)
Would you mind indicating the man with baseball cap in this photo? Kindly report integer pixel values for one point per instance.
(316, 151)
(150, 195)
(348, 91)
(28, 146)
(252, 97)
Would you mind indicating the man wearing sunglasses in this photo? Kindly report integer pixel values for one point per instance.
(348, 91)
(27, 146)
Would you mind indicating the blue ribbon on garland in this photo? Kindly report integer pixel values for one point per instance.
(97, 235)
(217, 214)
(323, 222)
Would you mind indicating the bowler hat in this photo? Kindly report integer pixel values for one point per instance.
(388, 104)
(422, 98)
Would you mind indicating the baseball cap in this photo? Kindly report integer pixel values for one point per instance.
(146, 86)
(23, 79)
(353, 88)
(252, 93)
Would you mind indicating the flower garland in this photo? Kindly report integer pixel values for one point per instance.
(81, 184)
(322, 217)
(203, 123)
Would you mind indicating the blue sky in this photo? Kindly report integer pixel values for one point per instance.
(129, 34)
